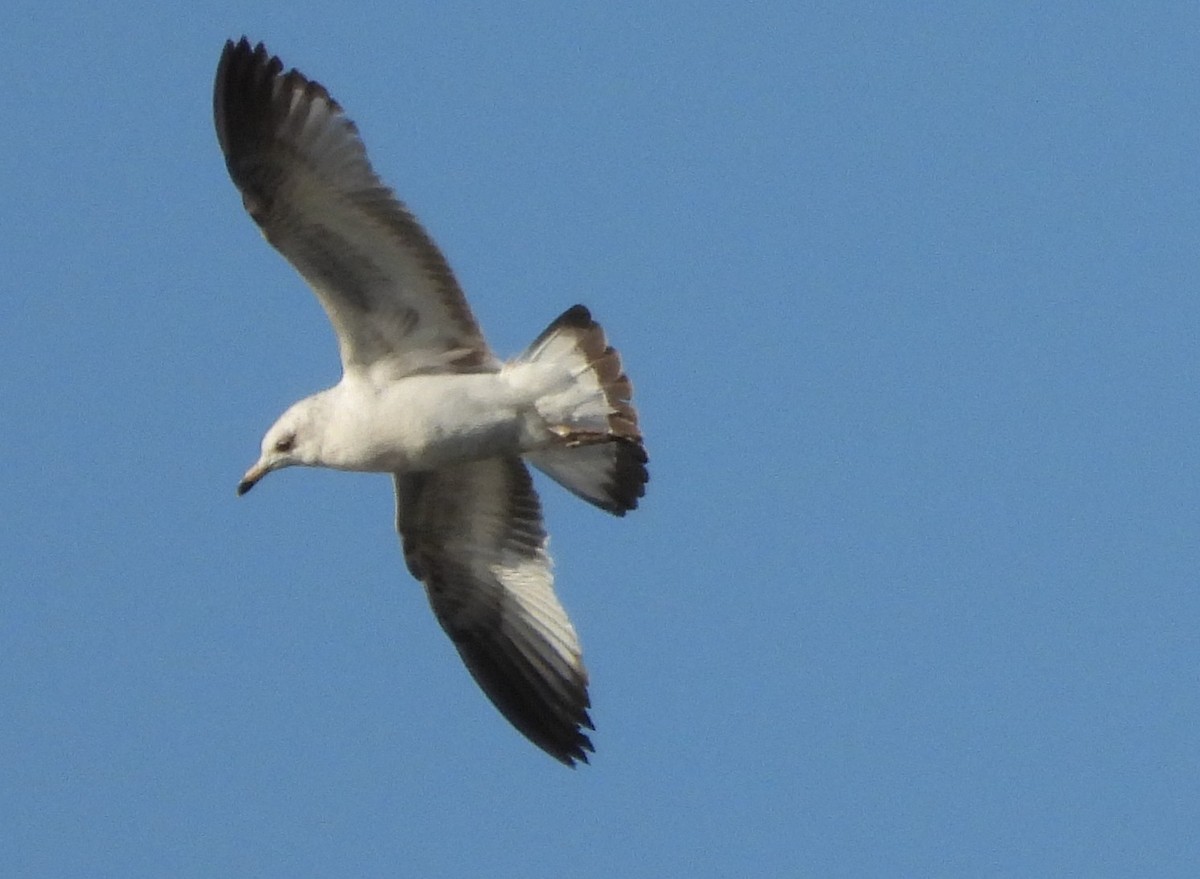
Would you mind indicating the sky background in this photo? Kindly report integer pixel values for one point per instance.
(908, 295)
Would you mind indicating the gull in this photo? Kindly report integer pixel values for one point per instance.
(423, 398)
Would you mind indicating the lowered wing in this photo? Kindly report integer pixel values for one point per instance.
(473, 535)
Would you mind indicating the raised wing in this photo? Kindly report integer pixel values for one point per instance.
(473, 535)
(305, 179)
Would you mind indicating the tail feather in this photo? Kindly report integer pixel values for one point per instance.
(598, 454)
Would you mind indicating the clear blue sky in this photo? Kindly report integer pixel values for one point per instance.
(909, 296)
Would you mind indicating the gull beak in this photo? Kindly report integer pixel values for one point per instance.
(253, 475)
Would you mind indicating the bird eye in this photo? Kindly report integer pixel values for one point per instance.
(284, 444)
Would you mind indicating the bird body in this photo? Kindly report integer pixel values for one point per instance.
(422, 422)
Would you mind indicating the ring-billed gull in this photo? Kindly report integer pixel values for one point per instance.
(423, 398)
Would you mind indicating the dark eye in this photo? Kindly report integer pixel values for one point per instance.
(284, 444)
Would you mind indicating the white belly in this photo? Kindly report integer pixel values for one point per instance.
(424, 422)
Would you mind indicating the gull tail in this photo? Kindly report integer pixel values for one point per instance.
(596, 451)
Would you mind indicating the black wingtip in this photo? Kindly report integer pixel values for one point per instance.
(574, 754)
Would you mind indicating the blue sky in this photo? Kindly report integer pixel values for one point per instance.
(908, 295)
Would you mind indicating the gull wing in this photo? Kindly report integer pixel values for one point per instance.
(473, 535)
(305, 179)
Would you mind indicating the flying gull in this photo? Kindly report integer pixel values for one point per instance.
(423, 398)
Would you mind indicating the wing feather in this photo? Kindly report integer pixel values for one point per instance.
(473, 535)
(305, 179)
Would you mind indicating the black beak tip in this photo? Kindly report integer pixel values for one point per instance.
(244, 486)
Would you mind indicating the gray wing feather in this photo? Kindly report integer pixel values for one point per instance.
(305, 179)
(473, 535)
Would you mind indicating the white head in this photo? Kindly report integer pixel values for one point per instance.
(294, 439)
